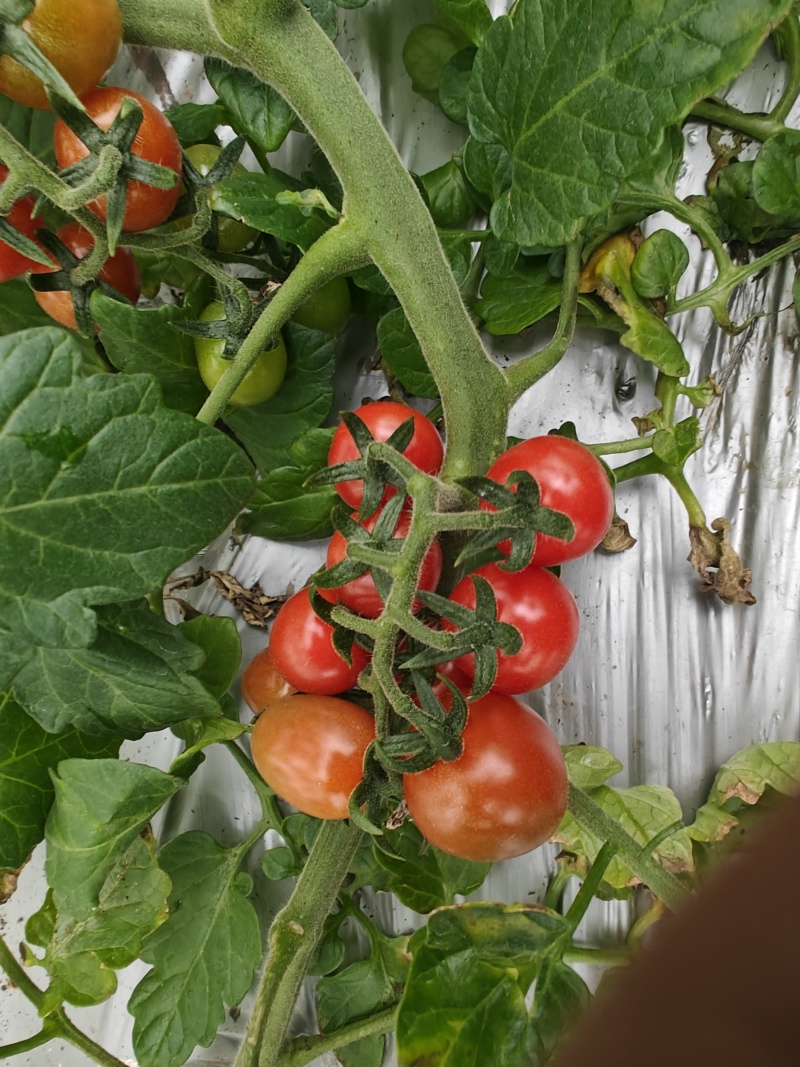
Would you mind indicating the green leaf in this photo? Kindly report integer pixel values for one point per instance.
(101, 806)
(303, 401)
(426, 52)
(253, 199)
(747, 774)
(643, 811)
(471, 16)
(776, 174)
(650, 337)
(146, 342)
(137, 676)
(197, 123)
(518, 299)
(712, 824)
(204, 956)
(674, 444)
(326, 14)
(279, 863)
(487, 167)
(561, 996)
(582, 104)
(81, 955)
(464, 1001)
(27, 755)
(589, 766)
(255, 109)
(403, 356)
(199, 734)
(423, 878)
(19, 311)
(218, 637)
(739, 214)
(454, 85)
(103, 491)
(283, 508)
(450, 202)
(659, 264)
(33, 127)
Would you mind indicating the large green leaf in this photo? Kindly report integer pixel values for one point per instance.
(255, 199)
(203, 956)
(749, 773)
(303, 401)
(27, 755)
(101, 806)
(103, 491)
(581, 97)
(255, 110)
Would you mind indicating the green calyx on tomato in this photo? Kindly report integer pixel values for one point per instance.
(232, 235)
(326, 309)
(262, 380)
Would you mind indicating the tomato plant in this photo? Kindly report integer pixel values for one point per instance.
(155, 140)
(505, 794)
(232, 235)
(22, 217)
(261, 683)
(310, 750)
(120, 271)
(262, 380)
(81, 39)
(302, 651)
(326, 309)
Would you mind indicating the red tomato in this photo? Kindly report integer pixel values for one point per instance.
(425, 450)
(301, 647)
(155, 140)
(21, 217)
(261, 683)
(505, 794)
(81, 39)
(121, 271)
(571, 480)
(310, 750)
(361, 594)
(544, 611)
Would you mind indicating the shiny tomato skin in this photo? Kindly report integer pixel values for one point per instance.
(81, 39)
(263, 379)
(571, 480)
(261, 683)
(121, 271)
(21, 217)
(382, 418)
(361, 594)
(541, 607)
(155, 140)
(505, 794)
(301, 646)
(310, 751)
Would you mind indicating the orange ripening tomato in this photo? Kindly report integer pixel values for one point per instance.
(261, 683)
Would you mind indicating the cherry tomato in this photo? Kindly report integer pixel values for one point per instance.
(327, 309)
(155, 140)
(21, 217)
(361, 594)
(301, 646)
(571, 480)
(261, 683)
(382, 418)
(262, 380)
(120, 271)
(505, 794)
(310, 750)
(81, 39)
(544, 611)
(232, 235)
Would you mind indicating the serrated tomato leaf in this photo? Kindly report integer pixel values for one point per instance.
(218, 638)
(203, 956)
(776, 174)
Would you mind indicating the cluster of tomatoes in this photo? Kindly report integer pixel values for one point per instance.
(506, 793)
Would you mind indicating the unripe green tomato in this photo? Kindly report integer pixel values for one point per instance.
(232, 235)
(327, 309)
(262, 380)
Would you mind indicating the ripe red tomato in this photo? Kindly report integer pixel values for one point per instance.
(361, 594)
(505, 794)
(21, 217)
(425, 450)
(301, 647)
(544, 611)
(571, 480)
(261, 683)
(155, 140)
(81, 39)
(121, 271)
(310, 750)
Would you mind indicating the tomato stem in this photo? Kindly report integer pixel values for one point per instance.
(590, 885)
(303, 1050)
(720, 113)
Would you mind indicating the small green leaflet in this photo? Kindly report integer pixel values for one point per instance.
(471, 16)
(454, 85)
(254, 109)
(27, 755)
(101, 806)
(203, 956)
(734, 211)
(776, 174)
(581, 103)
(197, 123)
(428, 49)
(218, 637)
(450, 201)
(659, 264)
(254, 200)
(589, 766)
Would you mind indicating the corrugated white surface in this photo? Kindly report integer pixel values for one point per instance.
(671, 681)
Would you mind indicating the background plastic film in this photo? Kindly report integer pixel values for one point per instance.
(673, 682)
